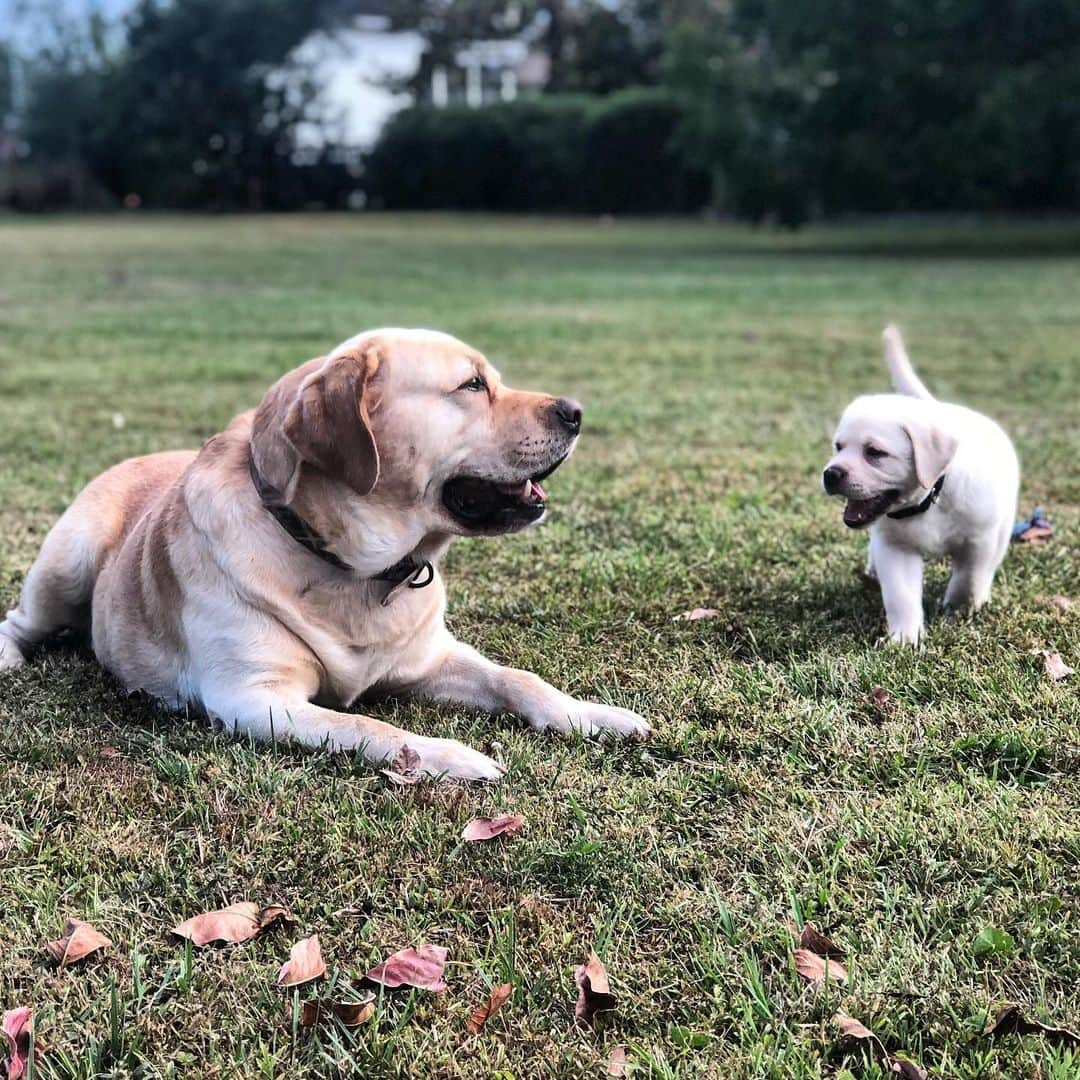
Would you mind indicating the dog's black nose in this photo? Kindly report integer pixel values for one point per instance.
(833, 477)
(567, 413)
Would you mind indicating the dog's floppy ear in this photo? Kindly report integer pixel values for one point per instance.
(318, 415)
(933, 450)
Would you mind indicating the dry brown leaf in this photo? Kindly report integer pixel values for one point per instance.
(883, 701)
(910, 1070)
(18, 1029)
(1010, 1020)
(697, 613)
(810, 937)
(481, 1015)
(304, 964)
(1055, 667)
(489, 828)
(816, 969)
(350, 1013)
(79, 940)
(616, 1062)
(235, 923)
(405, 768)
(422, 968)
(1062, 603)
(594, 992)
(108, 752)
(850, 1028)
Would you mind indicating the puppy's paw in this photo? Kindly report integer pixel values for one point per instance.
(448, 759)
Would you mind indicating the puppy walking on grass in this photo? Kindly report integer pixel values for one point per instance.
(930, 480)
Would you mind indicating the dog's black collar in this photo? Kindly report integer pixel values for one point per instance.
(931, 498)
(416, 575)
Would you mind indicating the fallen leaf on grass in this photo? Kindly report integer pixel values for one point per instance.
(697, 613)
(480, 1016)
(616, 1062)
(108, 752)
(405, 768)
(882, 700)
(1055, 667)
(850, 1028)
(489, 828)
(422, 968)
(818, 969)
(1010, 1020)
(910, 1070)
(18, 1028)
(810, 937)
(1062, 603)
(236, 923)
(304, 964)
(79, 941)
(350, 1013)
(594, 992)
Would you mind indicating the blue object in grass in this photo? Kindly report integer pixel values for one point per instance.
(1036, 527)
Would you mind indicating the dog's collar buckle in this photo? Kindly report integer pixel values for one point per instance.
(931, 498)
(406, 574)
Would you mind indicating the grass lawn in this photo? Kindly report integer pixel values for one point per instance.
(713, 364)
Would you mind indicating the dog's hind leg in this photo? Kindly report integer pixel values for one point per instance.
(57, 592)
(973, 572)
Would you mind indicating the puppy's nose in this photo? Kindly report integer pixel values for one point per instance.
(567, 414)
(833, 477)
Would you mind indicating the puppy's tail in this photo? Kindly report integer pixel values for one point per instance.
(903, 374)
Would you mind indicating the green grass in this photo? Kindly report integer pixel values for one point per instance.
(713, 364)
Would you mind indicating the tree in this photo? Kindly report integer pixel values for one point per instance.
(892, 105)
(197, 104)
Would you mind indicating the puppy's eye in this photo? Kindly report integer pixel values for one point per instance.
(874, 454)
(476, 384)
(838, 447)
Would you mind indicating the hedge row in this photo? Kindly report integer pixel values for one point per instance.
(561, 152)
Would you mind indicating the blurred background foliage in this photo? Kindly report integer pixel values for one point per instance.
(783, 110)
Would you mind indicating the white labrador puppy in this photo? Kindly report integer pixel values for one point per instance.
(931, 480)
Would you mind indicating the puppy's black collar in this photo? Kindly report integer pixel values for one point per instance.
(931, 498)
(405, 573)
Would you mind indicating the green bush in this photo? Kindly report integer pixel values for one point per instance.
(632, 163)
(560, 152)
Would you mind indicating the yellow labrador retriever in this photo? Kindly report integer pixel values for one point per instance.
(293, 559)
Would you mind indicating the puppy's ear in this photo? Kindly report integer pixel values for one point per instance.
(932, 449)
(318, 415)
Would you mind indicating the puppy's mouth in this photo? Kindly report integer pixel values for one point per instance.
(858, 513)
(493, 506)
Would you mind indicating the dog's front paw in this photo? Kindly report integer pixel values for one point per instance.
(607, 722)
(10, 654)
(448, 759)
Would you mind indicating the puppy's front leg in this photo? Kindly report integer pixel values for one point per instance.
(463, 676)
(271, 711)
(901, 576)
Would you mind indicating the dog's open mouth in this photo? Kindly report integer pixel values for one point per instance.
(858, 513)
(489, 506)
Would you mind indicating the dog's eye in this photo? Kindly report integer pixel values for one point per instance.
(838, 446)
(475, 384)
(874, 454)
